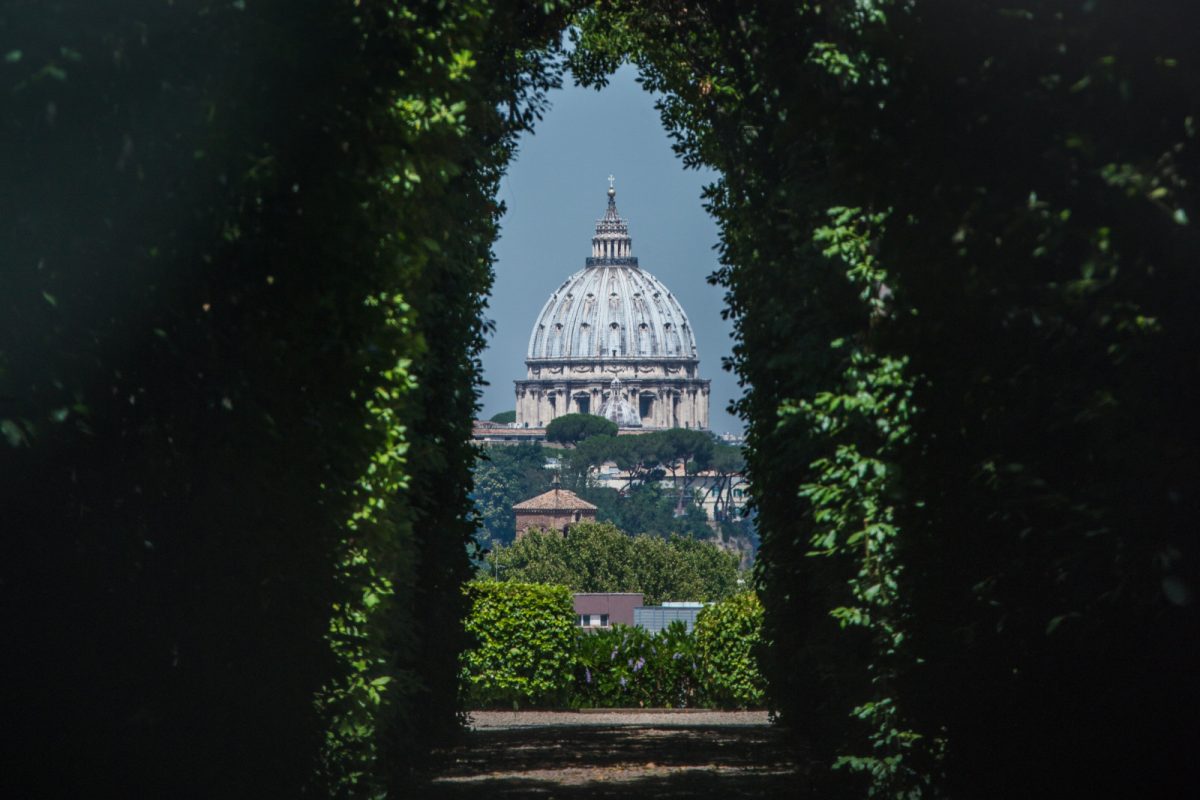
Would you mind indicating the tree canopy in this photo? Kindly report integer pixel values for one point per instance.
(570, 429)
(598, 557)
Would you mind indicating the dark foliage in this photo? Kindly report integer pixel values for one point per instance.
(236, 237)
(959, 242)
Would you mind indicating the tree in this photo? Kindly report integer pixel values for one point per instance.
(598, 557)
(504, 476)
(726, 462)
(728, 640)
(682, 451)
(570, 429)
(650, 509)
(505, 417)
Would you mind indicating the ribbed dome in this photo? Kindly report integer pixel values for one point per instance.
(612, 308)
(618, 409)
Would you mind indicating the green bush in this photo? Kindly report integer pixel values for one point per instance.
(727, 638)
(623, 666)
(525, 644)
(597, 557)
(528, 652)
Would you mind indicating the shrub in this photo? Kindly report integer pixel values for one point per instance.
(625, 666)
(525, 644)
(597, 557)
(727, 637)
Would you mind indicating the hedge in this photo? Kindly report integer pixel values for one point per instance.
(529, 652)
(525, 644)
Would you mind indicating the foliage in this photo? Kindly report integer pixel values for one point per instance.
(597, 557)
(727, 462)
(627, 667)
(505, 417)
(504, 476)
(246, 248)
(649, 509)
(507, 475)
(957, 246)
(728, 638)
(646, 456)
(571, 429)
(524, 644)
(529, 652)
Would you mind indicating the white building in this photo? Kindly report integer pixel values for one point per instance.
(613, 341)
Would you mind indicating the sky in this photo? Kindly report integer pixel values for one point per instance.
(554, 193)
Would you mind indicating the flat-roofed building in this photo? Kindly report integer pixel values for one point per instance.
(605, 609)
(655, 618)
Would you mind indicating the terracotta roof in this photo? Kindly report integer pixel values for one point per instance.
(555, 500)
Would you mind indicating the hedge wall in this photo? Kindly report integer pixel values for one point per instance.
(529, 652)
(245, 252)
(524, 646)
(958, 242)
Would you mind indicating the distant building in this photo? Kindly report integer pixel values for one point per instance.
(613, 341)
(555, 510)
(494, 433)
(605, 609)
(655, 618)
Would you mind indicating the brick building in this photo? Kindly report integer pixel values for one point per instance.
(555, 510)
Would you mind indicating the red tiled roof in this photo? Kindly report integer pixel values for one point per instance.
(555, 500)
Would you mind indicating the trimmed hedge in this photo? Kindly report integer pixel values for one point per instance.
(728, 636)
(525, 634)
(531, 653)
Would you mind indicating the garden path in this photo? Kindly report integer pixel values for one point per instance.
(631, 755)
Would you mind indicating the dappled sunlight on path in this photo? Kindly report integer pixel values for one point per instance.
(628, 755)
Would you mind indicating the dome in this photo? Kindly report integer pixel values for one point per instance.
(612, 308)
(618, 409)
(614, 342)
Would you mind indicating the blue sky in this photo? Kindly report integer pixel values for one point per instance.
(555, 191)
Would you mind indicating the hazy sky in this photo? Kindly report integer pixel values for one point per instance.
(555, 192)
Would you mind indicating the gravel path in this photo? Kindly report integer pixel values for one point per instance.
(608, 717)
(631, 755)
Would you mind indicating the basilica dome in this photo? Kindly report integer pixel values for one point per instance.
(613, 340)
(611, 308)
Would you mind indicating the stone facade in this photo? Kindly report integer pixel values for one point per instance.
(613, 328)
